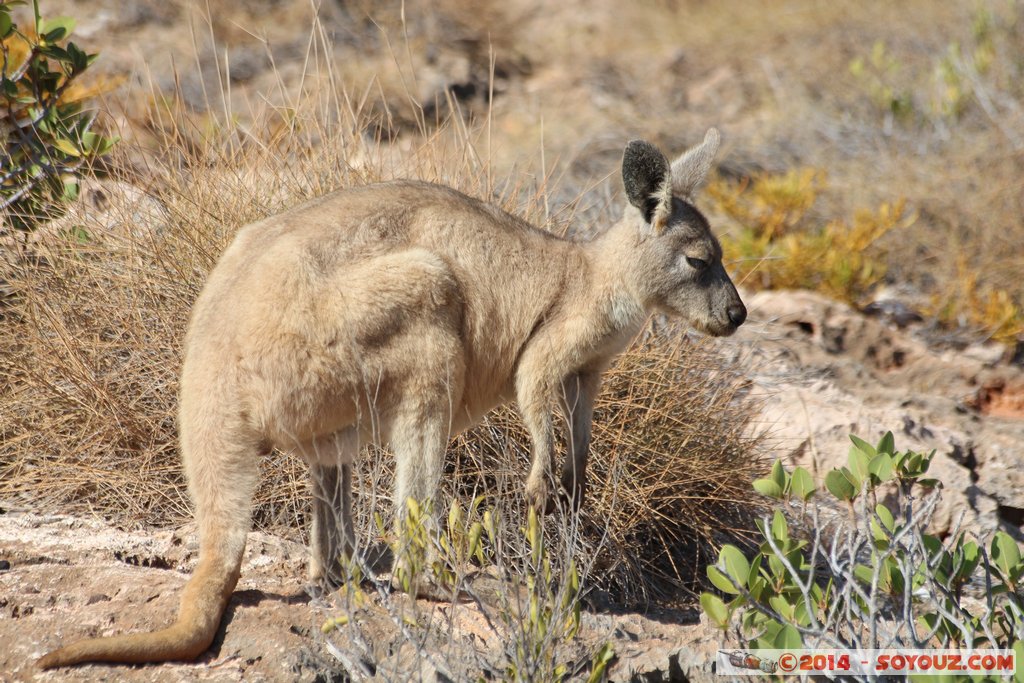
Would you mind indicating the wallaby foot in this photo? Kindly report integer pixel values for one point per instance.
(538, 495)
(572, 490)
(422, 580)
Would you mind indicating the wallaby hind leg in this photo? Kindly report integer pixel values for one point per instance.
(419, 446)
(418, 434)
(332, 534)
(332, 537)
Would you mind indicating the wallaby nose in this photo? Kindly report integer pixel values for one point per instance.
(737, 314)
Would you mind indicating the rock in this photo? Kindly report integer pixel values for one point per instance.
(1000, 474)
(894, 311)
(987, 354)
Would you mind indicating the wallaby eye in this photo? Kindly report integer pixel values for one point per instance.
(696, 263)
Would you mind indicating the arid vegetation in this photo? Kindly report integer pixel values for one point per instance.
(868, 150)
(94, 331)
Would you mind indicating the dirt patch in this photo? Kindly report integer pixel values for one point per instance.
(1000, 399)
(64, 579)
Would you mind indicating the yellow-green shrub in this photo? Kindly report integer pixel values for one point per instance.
(778, 247)
(967, 301)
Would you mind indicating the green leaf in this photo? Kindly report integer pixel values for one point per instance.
(888, 521)
(788, 638)
(863, 446)
(778, 474)
(755, 571)
(771, 629)
(801, 484)
(106, 144)
(454, 517)
(599, 663)
(971, 556)
(893, 576)
(887, 444)
(333, 623)
(59, 27)
(781, 606)
(67, 147)
(735, 563)
(720, 581)
(801, 615)
(864, 573)
(881, 468)
(840, 486)
(6, 25)
(932, 545)
(1005, 552)
(716, 610)
(779, 529)
(79, 60)
(775, 566)
(858, 462)
(882, 532)
(767, 487)
(927, 462)
(1018, 650)
(757, 586)
(70, 194)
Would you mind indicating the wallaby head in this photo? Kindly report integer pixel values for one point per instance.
(679, 261)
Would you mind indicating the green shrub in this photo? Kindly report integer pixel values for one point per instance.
(531, 607)
(868, 575)
(47, 135)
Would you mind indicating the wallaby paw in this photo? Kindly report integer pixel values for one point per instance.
(325, 577)
(421, 587)
(538, 496)
(571, 493)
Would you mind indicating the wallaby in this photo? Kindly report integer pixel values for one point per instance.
(400, 313)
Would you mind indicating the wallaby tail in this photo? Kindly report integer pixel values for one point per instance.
(221, 464)
(202, 606)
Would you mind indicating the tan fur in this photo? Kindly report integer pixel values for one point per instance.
(400, 314)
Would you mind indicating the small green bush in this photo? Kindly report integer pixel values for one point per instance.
(533, 613)
(868, 575)
(47, 135)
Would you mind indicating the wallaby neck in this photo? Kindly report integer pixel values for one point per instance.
(614, 278)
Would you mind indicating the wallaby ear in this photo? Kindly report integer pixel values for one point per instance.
(690, 171)
(646, 175)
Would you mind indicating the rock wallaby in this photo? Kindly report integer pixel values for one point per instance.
(400, 313)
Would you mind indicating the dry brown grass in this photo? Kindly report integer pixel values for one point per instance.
(90, 347)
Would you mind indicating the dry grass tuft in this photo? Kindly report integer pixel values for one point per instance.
(675, 449)
(90, 348)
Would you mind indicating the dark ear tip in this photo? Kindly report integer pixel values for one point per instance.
(639, 146)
